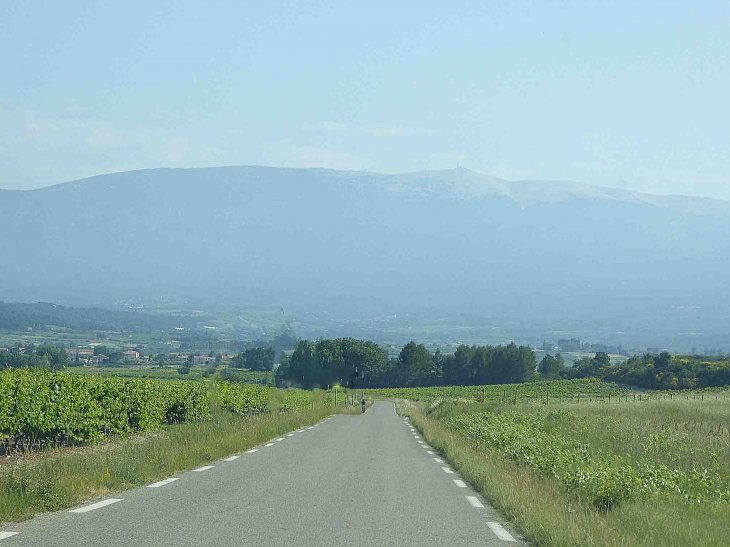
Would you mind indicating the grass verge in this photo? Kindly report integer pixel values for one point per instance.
(549, 516)
(54, 480)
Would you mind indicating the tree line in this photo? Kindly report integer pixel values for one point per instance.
(651, 370)
(44, 355)
(363, 364)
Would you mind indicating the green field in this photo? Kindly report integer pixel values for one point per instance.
(630, 471)
(557, 390)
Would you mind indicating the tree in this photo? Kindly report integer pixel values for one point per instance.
(259, 358)
(303, 368)
(552, 367)
(101, 350)
(416, 365)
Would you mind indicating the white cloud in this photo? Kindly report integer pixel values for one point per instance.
(373, 129)
(326, 127)
(391, 130)
(312, 156)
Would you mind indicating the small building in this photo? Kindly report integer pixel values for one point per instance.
(131, 354)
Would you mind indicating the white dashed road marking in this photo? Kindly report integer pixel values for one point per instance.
(420, 442)
(430, 452)
(500, 532)
(447, 470)
(279, 439)
(252, 451)
(231, 458)
(310, 427)
(290, 434)
(95, 506)
(267, 445)
(162, 482)
(204, 468)
(460, 483)
(4, 535)
(438, 460)
(475, 502)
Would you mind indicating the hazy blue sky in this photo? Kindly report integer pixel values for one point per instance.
(618, 93)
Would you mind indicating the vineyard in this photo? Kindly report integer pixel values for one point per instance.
(590, 388)
(39, 408)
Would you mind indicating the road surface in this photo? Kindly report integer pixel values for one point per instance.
(358, 480)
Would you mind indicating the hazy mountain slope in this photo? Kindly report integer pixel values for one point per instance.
(354, 243)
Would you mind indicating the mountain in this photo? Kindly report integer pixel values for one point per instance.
(451, 245)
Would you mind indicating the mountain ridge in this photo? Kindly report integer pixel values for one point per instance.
(350, 244)
(466, 183)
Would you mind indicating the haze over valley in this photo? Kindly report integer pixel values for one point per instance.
(449, 255)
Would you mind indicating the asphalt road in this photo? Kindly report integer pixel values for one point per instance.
(358, 480)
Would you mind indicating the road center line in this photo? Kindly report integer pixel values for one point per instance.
(438, 460)
(164, 482)
(4, 535)
(475, 502)
(460, 483)
(447, 470)
(204, 468)
(252, 451)
(500, 532)
(95, 506)
(231, 458)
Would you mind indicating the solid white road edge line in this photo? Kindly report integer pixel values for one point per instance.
(475, 502)
(500, 532)
(231, 458)
(4, 535)
(95, 506)
(460, 483)
(204, 468)
(252, 451)
(162, 482)
(447, 470)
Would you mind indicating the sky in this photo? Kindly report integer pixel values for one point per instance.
(614, 93)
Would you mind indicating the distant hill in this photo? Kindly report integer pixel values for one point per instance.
(448, 244)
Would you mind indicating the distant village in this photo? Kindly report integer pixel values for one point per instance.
(87, 356)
